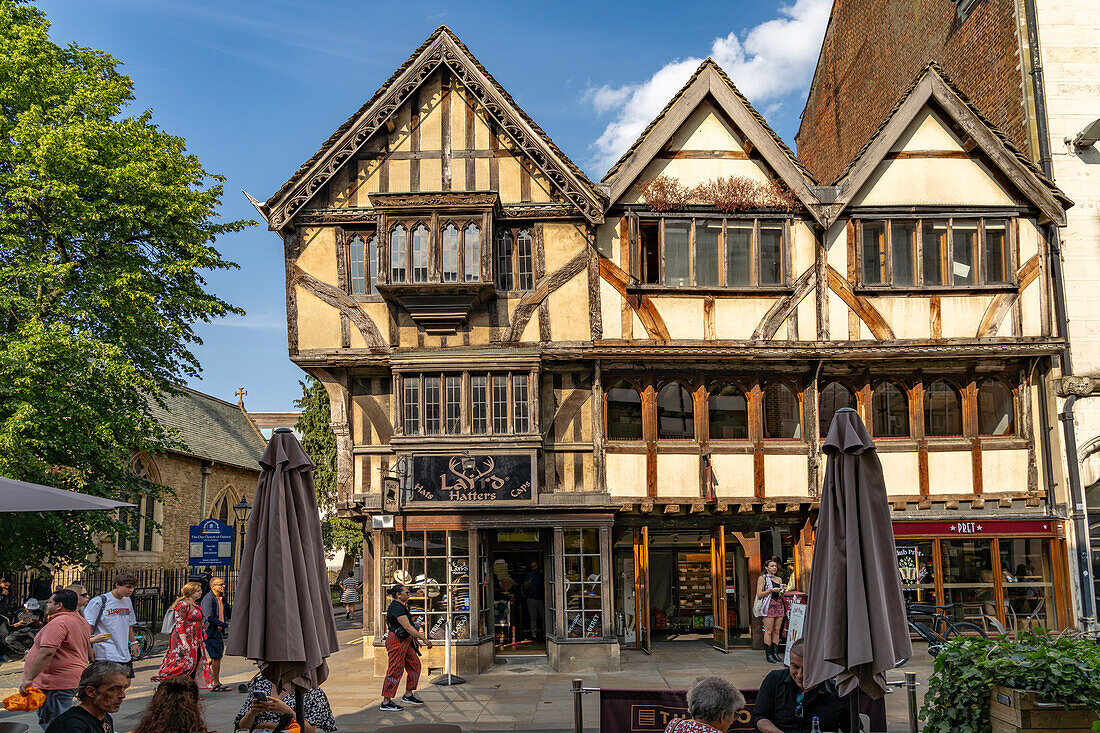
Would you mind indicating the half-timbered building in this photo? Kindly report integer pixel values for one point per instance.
(618, 390)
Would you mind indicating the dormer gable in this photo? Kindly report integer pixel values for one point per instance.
(708, 130)
(936, 144)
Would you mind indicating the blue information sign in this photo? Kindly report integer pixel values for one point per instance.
(211, 543)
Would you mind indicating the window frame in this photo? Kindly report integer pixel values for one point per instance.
(1013, 424)
(901, 387)
(822, 386)
(638, 259)
(712, 390)
(516, 274)
(962, 394)
(798, 393)
(887, 221)
(434, 226)
(639, 390)
(686, 387)
(467, 419)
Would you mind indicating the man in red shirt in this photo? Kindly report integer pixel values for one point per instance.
(59, 655)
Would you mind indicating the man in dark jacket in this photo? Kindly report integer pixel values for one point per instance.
(215, 615)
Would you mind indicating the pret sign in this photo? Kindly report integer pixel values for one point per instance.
(497, 477)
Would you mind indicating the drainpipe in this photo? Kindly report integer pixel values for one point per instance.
(1076, 493)
(207, 469)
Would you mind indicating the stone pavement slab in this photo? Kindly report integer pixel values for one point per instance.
(507, 698)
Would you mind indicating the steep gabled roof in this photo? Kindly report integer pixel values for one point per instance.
(932, 84)
(710, 79)
(442, 48)
(209, 428)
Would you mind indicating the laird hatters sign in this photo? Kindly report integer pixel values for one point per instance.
(483, 478)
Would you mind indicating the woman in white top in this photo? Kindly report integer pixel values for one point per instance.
(769, 586)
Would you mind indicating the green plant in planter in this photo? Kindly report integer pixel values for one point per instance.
(1058, 668)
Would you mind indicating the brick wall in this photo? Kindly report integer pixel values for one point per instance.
(873, 50)
(178, 513)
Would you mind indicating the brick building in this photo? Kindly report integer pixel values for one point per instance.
(1032, 67)
(218, 465)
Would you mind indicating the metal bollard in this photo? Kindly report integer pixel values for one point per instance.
(578, 716)
(911, 695)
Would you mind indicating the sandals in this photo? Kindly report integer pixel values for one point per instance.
(221, 688)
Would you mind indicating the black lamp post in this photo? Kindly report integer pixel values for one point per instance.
(241, 510)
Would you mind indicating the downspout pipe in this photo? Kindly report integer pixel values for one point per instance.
(1078, 511)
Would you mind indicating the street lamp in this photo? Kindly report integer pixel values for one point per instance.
(241, 510)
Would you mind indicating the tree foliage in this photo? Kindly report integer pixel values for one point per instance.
(106, 226)
(319, 442)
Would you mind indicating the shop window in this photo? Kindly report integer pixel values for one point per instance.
(728, 413)
(1028, 589)
(917, 567)
(471, 247)
(420, 254)
(410, 400)
(889, 411)
(942, 410)
(521, 407)
(968, 580)
(782, 413)
(398, 252)
(479, 406)
(583, 584)
(363, 264)
(675, 413)
(431, 406)
(436, 567)
(500, 403)
(959, 252)
(710, 252)
(624, 413)
(450, 254)
(832, 398)
(454, 405)
(996, 415)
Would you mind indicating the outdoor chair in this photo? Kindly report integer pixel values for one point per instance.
(421, 728)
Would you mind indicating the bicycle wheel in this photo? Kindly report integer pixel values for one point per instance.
(964, 628)
(145, 642)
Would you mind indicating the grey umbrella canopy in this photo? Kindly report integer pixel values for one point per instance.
(21, 496)
(855, 623)
(282, 615)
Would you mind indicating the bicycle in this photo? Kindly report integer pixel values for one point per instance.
(942, 628)
(145, 639)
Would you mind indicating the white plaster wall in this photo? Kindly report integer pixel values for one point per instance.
(901, 471)
(785, 475)
(626, 474)
(1004, 470)
(677, 475)
(734, 474)
(950, 472)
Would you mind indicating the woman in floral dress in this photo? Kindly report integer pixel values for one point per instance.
(186, 655)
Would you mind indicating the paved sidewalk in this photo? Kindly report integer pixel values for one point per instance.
(508, 698)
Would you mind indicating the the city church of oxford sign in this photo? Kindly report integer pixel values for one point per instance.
(492, 478)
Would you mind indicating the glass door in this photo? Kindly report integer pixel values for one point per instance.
(718, 587)
(641, 587)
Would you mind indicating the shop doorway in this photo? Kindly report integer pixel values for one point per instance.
(687, 586)
(519, 584)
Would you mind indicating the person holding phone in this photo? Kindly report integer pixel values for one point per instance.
(770, 587)
(265, 704)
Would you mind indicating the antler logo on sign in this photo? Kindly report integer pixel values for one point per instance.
(500, 477)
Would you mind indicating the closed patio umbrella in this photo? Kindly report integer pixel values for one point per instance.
(282, 607)
(22, 496)
(855, 622)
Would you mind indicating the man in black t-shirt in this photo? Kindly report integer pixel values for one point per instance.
(402, 649)
(102, 690)
(784, 706)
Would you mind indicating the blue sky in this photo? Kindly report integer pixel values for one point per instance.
(256, 87)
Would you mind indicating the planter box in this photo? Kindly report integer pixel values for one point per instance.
(1019, 711)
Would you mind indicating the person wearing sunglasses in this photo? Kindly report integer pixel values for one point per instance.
(783, 705)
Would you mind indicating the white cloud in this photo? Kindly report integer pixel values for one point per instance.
(767, 63)
(263, 321)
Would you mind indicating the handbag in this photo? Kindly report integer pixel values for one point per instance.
(758, 607)
(168, 622)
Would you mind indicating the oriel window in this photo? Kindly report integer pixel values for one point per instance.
(711, 253)
(934, 253)
(420, 254)
(450, 254)
(398, 254)
(471, 242)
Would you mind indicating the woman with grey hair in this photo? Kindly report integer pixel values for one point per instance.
(712, 704)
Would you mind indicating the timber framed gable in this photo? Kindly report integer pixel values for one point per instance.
(710, 82)
(442, 51)
(932, 87)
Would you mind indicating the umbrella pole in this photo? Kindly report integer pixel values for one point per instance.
(853, 711)
(447, 678)
(298, 716)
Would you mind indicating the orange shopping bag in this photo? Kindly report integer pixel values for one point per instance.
(31, 701)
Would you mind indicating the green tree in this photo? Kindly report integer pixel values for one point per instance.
(319, 442)
(106, 226)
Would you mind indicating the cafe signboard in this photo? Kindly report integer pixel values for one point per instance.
(475, 479)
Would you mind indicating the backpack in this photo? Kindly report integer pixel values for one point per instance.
(102, 605)
(168, 622)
